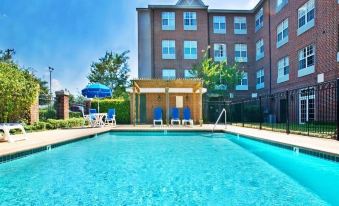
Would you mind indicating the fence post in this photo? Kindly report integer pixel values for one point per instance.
(242, 114)
(260, 112)
(337, 105)
(287, 112)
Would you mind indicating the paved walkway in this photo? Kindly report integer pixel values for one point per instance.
(39, 139)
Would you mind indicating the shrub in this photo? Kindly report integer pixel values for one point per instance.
(63, 124)
(18, 91)
(75, 114)
(121, 106)
(45, 114)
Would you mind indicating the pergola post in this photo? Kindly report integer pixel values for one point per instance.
(139, 119)
(133, 108)
(167, 105)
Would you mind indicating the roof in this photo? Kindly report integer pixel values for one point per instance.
(174, 85)
(198, 4)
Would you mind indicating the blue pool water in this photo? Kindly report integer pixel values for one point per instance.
(169, 169)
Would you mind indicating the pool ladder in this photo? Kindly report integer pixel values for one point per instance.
(222, 112)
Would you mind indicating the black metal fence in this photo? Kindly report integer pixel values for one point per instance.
(311, 111)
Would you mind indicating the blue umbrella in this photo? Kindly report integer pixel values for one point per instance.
(97, 91)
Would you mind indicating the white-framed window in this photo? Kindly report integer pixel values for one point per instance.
(240, 25)
(243, 82)
(259, 19)
(220, 52)
(260, 79)
(190, 21)
(282, 33)
(219, 24)
(190, 49)
(306, 61)
(168, 20)
(260, 50)
(306, 15)
(168, 74)
(168, 49)
(240, 52)
(283, 70)
(280, 4)
(188, 73)
(306, 105)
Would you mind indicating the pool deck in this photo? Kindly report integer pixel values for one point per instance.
(40, 139)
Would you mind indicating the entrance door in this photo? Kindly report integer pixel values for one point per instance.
(306, 106)
(143, 118)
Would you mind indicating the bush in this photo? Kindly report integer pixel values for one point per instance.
(75, 114)
(56, 124)
(121, 106)
(18, 91)
(45, 114)
(63, 124)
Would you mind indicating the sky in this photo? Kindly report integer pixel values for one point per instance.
(69, 35)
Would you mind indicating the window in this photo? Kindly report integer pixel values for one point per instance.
(283, 70)
(168, 20)
(259, 19)
(240, 52)
(190, 21)
(190, 49)
(306, 61)
(219, 24)
(243, 82)
(168, 49)
(306, 17)
(260, 79)
(282, 33)
(220, 52)
(240, 26)
(168, 74)
(189, 74)
(259, 49)
(306, 105)
(280, 4)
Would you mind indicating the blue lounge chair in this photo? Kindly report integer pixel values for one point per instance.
(157, 116)
(111, 117)
(187, 117)
(92, 118)
(175, 116)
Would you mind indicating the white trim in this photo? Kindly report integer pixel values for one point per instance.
(305, 28)
(306, 71)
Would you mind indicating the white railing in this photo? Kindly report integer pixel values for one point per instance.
(222, 112)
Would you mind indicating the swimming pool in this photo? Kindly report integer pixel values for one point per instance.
(154, 168)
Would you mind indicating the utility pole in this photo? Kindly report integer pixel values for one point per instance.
(50, 83)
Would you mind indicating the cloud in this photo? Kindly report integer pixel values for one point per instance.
(56, 85)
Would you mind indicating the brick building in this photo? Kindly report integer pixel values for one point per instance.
(269, 38)
(280, 44)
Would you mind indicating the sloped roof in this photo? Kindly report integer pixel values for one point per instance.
(190, 3)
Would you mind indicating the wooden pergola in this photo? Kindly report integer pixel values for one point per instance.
(191, 88)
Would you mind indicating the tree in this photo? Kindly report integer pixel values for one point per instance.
(44, 95)
(18, 91)
(111, 70)
(7, 55)
(217, 76)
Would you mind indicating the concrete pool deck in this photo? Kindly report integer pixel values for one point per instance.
(45, 138)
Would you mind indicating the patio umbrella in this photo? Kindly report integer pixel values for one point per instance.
(96, 91)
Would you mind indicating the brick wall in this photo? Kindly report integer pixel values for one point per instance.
(324, 35)
(62, 101)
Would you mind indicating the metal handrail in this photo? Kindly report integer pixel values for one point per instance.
(224, 110)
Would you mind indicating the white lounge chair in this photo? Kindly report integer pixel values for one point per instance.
(6, 128)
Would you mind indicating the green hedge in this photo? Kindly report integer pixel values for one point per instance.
(45, 114)
(75, 114)
(56, 124)
(122, 108)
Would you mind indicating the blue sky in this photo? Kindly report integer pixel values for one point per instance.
(70, 34)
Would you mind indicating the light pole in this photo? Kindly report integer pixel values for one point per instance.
(50, 69)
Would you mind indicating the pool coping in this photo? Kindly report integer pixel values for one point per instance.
(13, 155)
